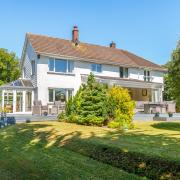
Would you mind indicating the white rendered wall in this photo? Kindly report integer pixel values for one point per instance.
(47, 79)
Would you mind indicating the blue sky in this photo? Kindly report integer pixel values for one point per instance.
(149, 28)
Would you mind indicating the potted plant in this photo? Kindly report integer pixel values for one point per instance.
(156, 114)
(170, 114)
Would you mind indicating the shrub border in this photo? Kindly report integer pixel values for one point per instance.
(132, 162)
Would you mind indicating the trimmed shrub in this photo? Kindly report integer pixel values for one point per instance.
(91, 120)
(62, 116)
(132, 162)
(95, 104)
(120, 108)
(93, 101)
(73, 118)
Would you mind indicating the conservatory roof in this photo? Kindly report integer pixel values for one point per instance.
(18, 84)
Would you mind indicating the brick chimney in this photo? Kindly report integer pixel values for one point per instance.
(112, 45)
(75, 35)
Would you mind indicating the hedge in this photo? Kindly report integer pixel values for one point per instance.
(132, 162)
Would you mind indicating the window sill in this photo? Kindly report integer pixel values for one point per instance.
(96, 73)
(60, 73)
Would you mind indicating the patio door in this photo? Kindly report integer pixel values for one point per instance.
(155, 95)
(8, 101)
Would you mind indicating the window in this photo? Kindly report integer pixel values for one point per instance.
(61, 65)
(24, 72)
(126, 72)
(147, 76)
(96, 68)
(51, 94)
(8, 101)
(70, 94)
(28, 100)
(123, 72)
(51, 64)
(60, 94)
(33, 67)
(19, 101)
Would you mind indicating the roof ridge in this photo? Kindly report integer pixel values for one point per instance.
(81, 42)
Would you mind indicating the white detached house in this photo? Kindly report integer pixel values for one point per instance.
(53, 70)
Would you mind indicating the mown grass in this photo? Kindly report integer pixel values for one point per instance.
(32, 151)
(38, 150)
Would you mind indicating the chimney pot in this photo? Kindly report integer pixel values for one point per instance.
(112, 45)
(75, 35)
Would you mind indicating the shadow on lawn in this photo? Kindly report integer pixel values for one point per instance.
(29, 136)
(34, 143)
(174, 126)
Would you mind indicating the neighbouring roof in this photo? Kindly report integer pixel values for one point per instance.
(88, 52)
(19, 83)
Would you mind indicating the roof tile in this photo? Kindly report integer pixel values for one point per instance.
(88, 52)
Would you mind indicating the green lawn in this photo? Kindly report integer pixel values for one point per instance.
(26, 152)
(38, 151)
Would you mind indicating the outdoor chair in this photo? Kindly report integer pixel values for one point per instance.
(54, 110)
(3, 120)
(36, 109)
(11, 121)
(44, 110)
(60, 106)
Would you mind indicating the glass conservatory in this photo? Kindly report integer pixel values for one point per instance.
(17, 96)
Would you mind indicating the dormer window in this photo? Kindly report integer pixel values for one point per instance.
(96, 68)
(123, 72)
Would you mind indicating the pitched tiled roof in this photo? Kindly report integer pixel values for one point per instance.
(88, 52)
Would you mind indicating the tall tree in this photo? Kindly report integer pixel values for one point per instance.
(9, 66)
(173, 77)
(168, 94)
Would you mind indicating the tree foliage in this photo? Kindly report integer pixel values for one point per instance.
(9, 67)
(121, 107)
(172, 79)
(95, 104)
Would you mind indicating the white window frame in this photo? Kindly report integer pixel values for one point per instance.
(96, 68)
(123, 68)
(33, 67)
(66, 92)
(67, 65)
(146, 77)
